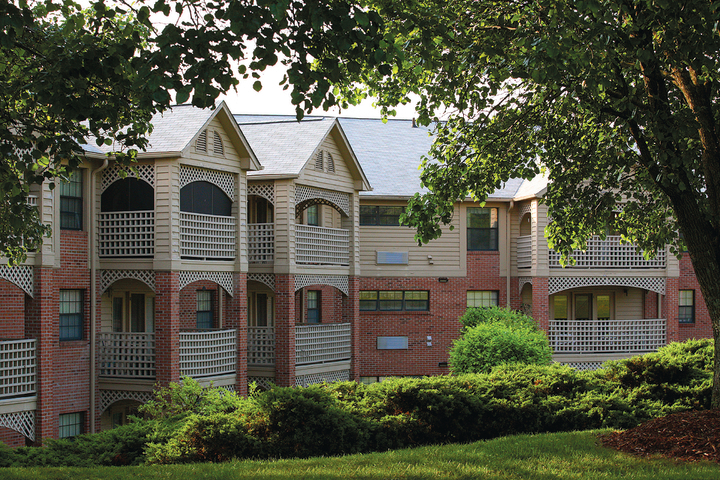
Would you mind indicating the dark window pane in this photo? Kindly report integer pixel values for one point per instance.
(128, 195)
(417, 301)
(368, 300)
(368, 214)
(391, 301)
(205, 198)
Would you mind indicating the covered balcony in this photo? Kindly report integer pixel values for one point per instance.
(204, 354)
(610, 253)
(126, 222)
(314, 344)
(18, 371)
(606, 336)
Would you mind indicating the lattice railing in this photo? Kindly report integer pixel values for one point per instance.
(261, 243)
(609, 253)
(261, 345)
(321, 245)
(607, 336)
(127, 234)
(322, 343)
(524, 251)
(207, 353)
(207, 236)
(17, 368)
(127, 355)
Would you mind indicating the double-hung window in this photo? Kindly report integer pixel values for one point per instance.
(686, 306)
(482, 229)
(71, 201)
(204, 309)
(71, 314)
(482, 298)
(71, 425)
(313, 306)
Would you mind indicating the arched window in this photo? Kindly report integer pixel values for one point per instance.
(206, 198)
(128, 195)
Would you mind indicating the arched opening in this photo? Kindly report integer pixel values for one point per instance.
(128, 195)
(208, 228)
(118, 414)
(526, 225)
(205, 198)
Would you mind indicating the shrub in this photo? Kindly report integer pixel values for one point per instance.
(476, 316)
(189, 397)
(486, 345)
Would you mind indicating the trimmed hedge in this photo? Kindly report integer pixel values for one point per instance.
(348, 417)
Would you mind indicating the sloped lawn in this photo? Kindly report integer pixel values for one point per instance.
(575, 455)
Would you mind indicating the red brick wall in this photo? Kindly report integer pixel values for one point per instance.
(331, 304)
(702, 328)
(188, 303)
(448, 302)
(12, 313)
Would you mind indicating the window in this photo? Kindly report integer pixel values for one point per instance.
(206, 198)
(71, 425)
(128, 195)
(313, 215)
(71, 314)
(204, 309)
(71, 201)
(482, 229)
(380, 215)
(395, 300)
(686, 306)
(313, 306)
(560, 307)
(482, 298)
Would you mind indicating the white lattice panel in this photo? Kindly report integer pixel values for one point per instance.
(223, 180)
(264, 190)
(338, 199)
(208, 353)
(322, 343)
(112, 174)
(609, 253)
(583, 365)
(108, 397)
(108, 277)
(207, 237)
(224, 279)
(21, 422)
(329, 377)
(265, 278)
(261, 346)
(653, 284)
(321, 245)
(607, 336)
(338, 281)
(527, 208)
(264, 383)
(20, 275)
(522, 281)
(261, 243)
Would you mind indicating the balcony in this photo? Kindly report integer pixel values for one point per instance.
(261, 243)
(207, 237)
(208, 353)
(17, 368)
(127, 355)
(314, 344)
(609, 253)
(127, 234)
(321, 245)
(606, 336)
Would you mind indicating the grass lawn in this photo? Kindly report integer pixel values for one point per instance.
(573, 455)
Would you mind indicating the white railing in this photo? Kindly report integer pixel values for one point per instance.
(206, 353)
(127, 234)
(607, 336)
(322, 246)
(32, 200)
(207, 236)
(261, 243)
(261, 346)
(127, 355)
(322, 343)
(17, 368)
(610, 253)
(524, 251)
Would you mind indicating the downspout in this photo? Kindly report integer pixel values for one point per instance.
(93, 300)
(507, 254)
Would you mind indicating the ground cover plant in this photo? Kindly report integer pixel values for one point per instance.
(188, 424)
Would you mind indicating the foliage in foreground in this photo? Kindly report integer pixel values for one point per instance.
(348, 417)
(497, 336)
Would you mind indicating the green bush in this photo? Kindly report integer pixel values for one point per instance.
(487, 345)
(476, 316)
(189, 397)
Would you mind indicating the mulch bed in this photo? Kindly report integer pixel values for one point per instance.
(686, 436)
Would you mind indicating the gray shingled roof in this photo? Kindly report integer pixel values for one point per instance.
(282, 144)
(173, 130)
(390, 154)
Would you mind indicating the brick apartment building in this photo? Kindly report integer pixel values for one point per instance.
(259, 249)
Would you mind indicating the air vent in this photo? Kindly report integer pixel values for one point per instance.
(392, 343)
(319, 161)
(201, 143)
(330, 164)
(392, 258)
(218, 147)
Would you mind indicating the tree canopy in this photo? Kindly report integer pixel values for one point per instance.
(616, 101)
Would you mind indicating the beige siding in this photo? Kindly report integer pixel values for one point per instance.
(229, 161)
(445, 251)
(284, 226)
(540, 246)
(341, 180)
(167, 214)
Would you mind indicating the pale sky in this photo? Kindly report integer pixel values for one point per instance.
(273, 100)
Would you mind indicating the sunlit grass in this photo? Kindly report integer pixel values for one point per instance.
(575, 455)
